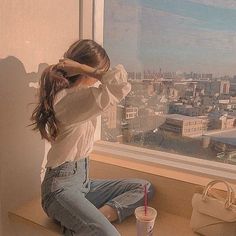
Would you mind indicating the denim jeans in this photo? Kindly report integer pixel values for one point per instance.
(72, 199)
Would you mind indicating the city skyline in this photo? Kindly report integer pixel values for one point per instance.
(178, 36)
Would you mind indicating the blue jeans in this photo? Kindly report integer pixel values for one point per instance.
(72, 199)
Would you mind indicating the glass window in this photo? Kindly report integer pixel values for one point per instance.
(180, 55)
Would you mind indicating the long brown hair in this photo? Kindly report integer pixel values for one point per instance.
(54, 80)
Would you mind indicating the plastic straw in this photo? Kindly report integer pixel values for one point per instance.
(145, 199)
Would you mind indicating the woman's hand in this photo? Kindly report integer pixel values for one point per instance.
(74, 68)
(70, 67)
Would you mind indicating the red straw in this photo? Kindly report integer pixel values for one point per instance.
(145, 199)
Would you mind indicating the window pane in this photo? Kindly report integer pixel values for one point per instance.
(180, 56)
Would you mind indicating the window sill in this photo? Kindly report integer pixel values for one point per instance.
(30, 219)
(174, 188)
(184, 168)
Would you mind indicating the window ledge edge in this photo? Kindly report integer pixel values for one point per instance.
(169, 165)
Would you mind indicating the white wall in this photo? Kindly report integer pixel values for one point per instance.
(32, 32)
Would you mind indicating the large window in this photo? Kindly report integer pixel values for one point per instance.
(180, 56)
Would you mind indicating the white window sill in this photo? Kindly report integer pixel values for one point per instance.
(165, 164)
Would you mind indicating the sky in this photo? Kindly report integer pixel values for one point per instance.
(175, 35)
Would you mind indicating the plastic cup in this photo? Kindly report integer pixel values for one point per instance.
(145, 223)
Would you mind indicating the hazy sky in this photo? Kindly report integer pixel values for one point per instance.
(176, 35)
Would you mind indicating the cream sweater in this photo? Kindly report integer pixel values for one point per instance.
(77, 108)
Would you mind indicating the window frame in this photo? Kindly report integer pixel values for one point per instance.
(92, 16)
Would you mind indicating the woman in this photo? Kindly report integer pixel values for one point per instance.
(66, 117)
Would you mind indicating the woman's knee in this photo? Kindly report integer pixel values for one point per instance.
(150, 188)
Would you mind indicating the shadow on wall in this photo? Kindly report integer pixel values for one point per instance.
(22, 150)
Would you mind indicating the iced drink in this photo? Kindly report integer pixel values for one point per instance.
(145, 223)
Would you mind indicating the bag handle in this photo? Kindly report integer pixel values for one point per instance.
(230, 192)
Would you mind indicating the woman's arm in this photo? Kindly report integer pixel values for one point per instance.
(84, 103)
(74, 68)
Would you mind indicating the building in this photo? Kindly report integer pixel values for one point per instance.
(109, 117)
(224, 104)
(233, 102)
(233, 88)
(144, 124)
(134, 76)
(221, 121)
(205, 123)
(183, 125)
(184, 109)
(215, 87)
(224, 144)
(226, 122)
(142, 120)
(224, 86)
(207, 100)
(131, 112)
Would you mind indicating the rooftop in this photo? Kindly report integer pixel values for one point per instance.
(181, 117)
(227, 137)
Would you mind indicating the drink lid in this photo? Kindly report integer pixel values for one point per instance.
(150, 215)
